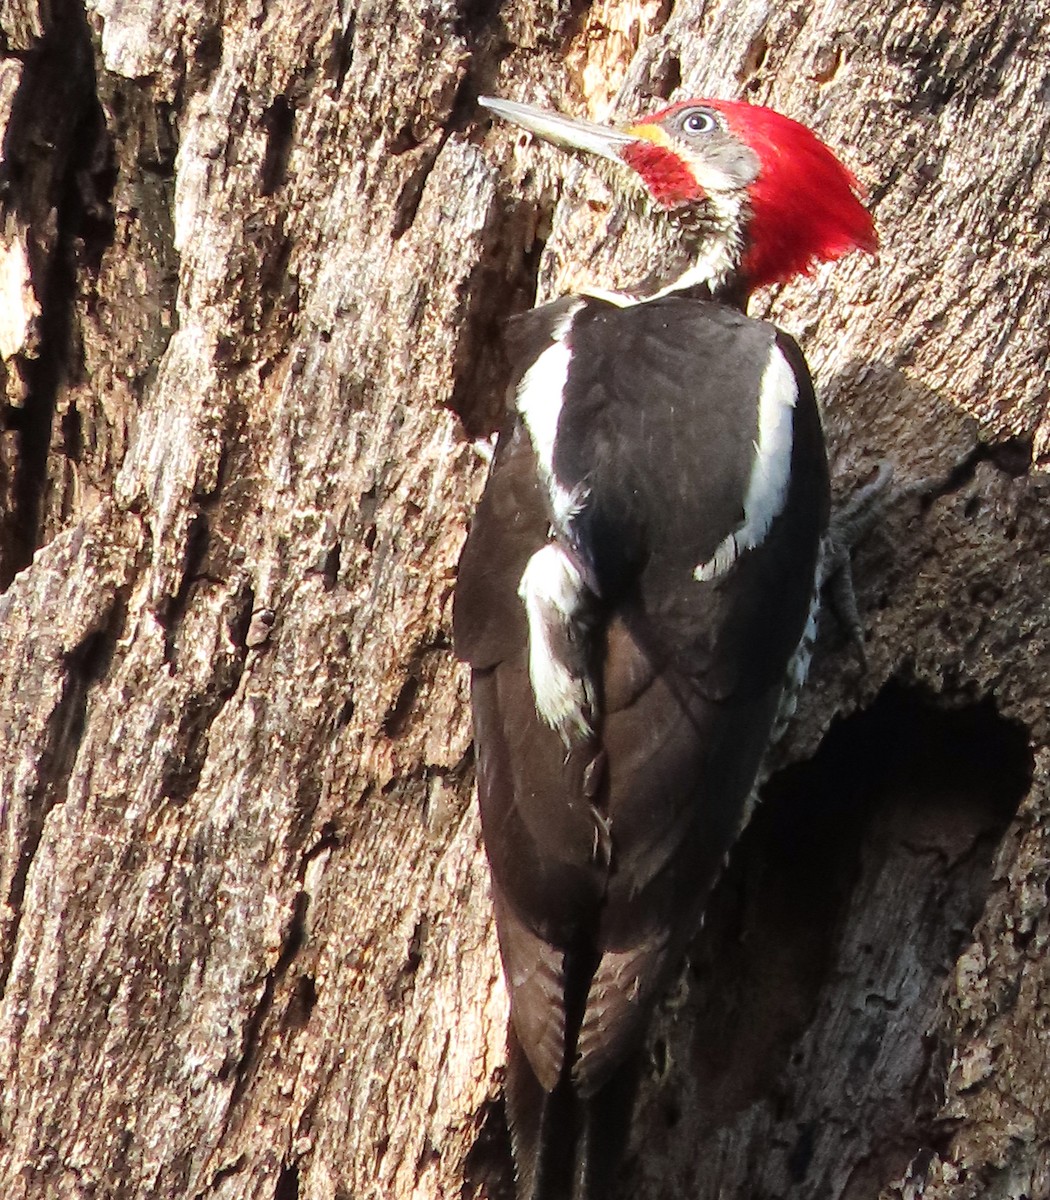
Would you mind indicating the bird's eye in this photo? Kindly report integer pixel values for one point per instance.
(698, 120)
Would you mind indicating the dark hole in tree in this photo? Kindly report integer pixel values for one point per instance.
(287, 1183)
(279, 122)
(805, 1061)
(301, 1003)
(488, 1171)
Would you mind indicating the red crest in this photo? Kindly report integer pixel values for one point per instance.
(804, 202)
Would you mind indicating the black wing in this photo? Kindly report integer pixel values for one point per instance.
(602, 854)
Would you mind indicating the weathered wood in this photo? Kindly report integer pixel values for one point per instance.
(253, 266)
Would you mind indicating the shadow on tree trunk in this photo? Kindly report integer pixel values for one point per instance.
(803, 1059)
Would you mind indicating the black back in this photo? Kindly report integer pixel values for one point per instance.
(603, 854)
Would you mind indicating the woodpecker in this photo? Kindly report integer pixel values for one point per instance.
(637, 599)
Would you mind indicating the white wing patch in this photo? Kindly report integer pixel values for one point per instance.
(770, 470)
(556, 599)
(540, 397)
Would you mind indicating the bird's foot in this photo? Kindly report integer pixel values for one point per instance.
(849, 525)
(852, 522)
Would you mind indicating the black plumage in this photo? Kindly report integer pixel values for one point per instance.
(604, 846)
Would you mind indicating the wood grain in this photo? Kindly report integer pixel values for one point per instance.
(253, 264)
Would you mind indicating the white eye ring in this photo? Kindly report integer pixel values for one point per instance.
(698, 120)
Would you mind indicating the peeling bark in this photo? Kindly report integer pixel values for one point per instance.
(253, 265)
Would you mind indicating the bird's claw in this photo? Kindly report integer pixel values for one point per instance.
(849, 525)
(842, 599)
(855, 519)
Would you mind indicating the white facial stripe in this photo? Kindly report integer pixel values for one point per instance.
(709, 177)
(770, 469)
(541, 394)
(556, 598)
(723, 247)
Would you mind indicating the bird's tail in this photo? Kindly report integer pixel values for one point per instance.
(566, 1146)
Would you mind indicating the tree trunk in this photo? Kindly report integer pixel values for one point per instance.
(253, 264)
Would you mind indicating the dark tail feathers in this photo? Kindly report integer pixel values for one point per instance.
(566, 1146)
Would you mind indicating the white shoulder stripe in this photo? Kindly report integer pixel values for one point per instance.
(539, 399)
(767, 486)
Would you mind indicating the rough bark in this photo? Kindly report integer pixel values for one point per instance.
(253, 263)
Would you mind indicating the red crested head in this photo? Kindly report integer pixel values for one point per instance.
(756, 196)
(802, 204)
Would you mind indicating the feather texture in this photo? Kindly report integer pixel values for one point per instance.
(604, 844)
